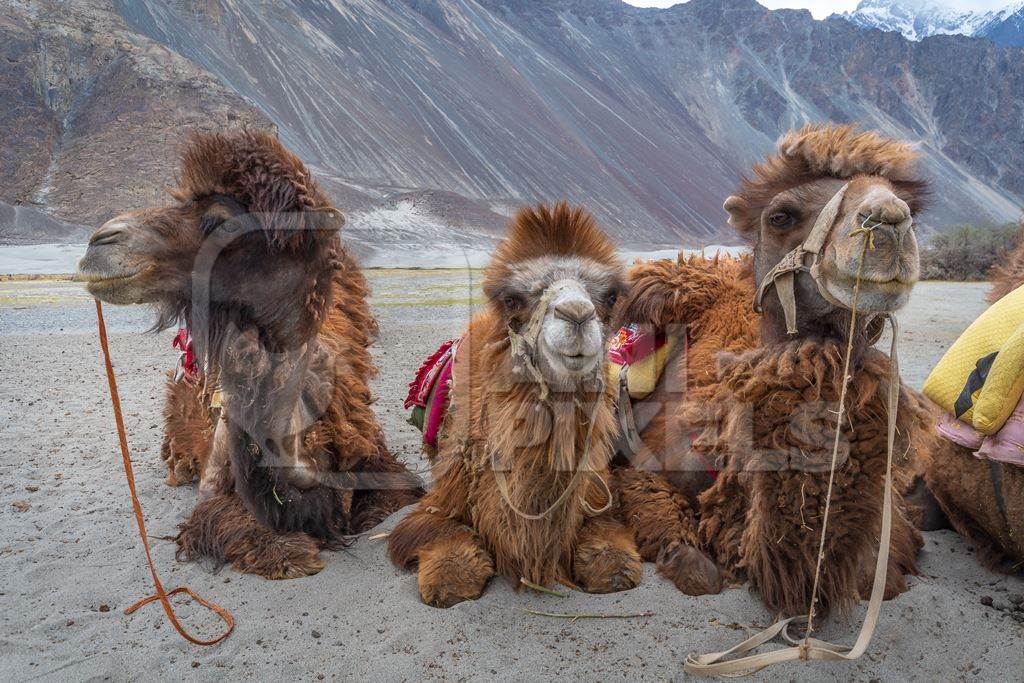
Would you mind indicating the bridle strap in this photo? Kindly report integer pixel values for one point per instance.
(783, 275)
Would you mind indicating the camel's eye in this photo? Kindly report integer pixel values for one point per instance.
(611, 298)
(780, 219)
(512, 302)
(211, 222)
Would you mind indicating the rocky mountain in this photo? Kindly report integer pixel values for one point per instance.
(430, 119)
(91, 111)
(917, 19)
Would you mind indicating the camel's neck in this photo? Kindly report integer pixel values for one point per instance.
(548, 439)
(835, 326)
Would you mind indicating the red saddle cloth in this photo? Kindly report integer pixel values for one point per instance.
(187, 365)
(429, 390)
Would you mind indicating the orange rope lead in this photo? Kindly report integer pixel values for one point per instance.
(161, 594)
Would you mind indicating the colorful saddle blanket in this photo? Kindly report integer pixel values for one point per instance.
(636, 357)
(429, 391)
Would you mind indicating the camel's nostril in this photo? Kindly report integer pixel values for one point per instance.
(891, 211)
(577, 311)
(106, 235)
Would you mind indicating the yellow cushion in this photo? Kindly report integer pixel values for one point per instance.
(643, 375)
(981, 377)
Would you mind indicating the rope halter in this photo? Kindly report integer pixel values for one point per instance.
(523, 349)
(783, 274)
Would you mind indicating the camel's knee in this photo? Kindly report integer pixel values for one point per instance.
(223, 530)
(654, 511)
(281, 556)
(692, 572)
(607, 561)
(452, 570)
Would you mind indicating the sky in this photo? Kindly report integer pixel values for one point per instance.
(822, 8)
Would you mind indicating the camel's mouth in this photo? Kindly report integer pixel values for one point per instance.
(111, 288)
(875, 294)
(575, 364)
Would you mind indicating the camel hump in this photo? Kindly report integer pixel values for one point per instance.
(666, 293)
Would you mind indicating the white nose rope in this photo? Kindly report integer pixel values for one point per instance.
(523, 347)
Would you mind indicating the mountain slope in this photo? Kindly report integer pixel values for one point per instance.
(92, 110)
(648, 116)
(1006, 28)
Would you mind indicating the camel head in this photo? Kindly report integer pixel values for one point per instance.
(554, 281)
(849, 184)
(248, 244)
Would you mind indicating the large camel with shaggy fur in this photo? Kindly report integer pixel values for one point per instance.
(732, 474)
(522, 485)
(248, 256)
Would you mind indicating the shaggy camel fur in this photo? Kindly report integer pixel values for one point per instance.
(1008, 274)
(764, 417)
(189, 425)
(984, 502)
(249, 258)
(541, 417)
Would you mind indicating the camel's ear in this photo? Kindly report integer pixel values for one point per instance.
(329, 219)
(735, 207)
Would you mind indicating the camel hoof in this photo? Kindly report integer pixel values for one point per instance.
(451, 572)
(606, 568)
(690, 570)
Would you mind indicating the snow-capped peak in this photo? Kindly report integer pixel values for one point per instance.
(917, 19)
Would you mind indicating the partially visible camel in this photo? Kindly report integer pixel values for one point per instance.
(1008, 274)
(248, 256)
(521, 485)
(984, 502)
(765, 418)
(984, 499)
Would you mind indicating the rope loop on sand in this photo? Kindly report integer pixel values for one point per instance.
(161, 594)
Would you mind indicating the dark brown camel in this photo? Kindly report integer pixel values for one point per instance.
(248, 256)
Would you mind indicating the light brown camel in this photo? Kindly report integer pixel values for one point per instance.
(248, 256)
(745, 448)
(521, 484)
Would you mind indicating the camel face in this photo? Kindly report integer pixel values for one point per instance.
(138, 257)
(576, 296)
(211, 259)
(781, 200)
(891, 268)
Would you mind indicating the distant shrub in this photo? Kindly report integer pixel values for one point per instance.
(966, 252)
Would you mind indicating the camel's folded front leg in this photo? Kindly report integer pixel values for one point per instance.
(452, 564)
(188, 433)
(221, 528)
(606, 559)
(665, 529)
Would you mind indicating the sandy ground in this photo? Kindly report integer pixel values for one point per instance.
(70, 560)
